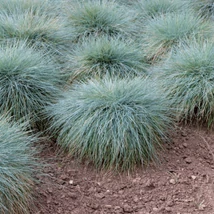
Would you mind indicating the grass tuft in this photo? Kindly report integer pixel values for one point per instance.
(21, 6)
(17, 164)
(115, 123)
(171, 30)
(188, 78)
(28, 81)
(97, 18)
(106, 56)
(149, 9)
(41, 29)
(204, 8)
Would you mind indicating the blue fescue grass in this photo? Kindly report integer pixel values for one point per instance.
(117, 124)
(149, 9)
(29, 80)
(188, 79)
(36, 26)
(166, 32)
(106, 56)
(17, 164)
(95, 18)
(21, 6)
(203, 8)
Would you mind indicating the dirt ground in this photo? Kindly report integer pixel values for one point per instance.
(183, 183)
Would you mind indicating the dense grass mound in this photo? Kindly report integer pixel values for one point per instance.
(189, 81)
(115, 123)
(28, 81)
(38, 28)
(204, 8)
(99, 17)
(165, 32)
(148, 9)
(104, 56)
(16, 167)
(21, 6)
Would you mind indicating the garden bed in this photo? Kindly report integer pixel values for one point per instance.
(109, 81)
(181, 183)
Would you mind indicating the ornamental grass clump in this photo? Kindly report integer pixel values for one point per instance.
(29, 81)
(166, 32)
(21, 6)
(148, 9)
(97, 18)
(106, 56)
(116, 123)
(204, 8)
(17, 165)
(188, 78)
(40, 29)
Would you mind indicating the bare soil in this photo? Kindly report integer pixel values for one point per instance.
(183, 183)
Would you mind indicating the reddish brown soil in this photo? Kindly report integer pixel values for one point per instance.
(181, 184)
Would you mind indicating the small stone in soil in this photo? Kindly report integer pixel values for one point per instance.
(108, 206)
(60, 187)
(56, 202)
(155, 209)
(163, 198)
(48, 200)
(168, 209)
(185, 145)
(71, 182)
(150, 185)
(117, 207)
(183, 134)
(136, 180)
(97, 195)
(193, 177)
(188, 160)
(127, 208)
(50, 190)
(63, 177)
(72, 195)
(135, 199)
(94, 206)
(181, 146)
(172, 181)
(92, 189)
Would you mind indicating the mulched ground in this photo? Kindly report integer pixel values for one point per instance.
(183, 183)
